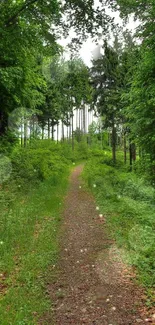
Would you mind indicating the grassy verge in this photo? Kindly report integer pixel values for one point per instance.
(28, 246)
(129, 206)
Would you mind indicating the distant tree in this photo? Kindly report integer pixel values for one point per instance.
(106, 97)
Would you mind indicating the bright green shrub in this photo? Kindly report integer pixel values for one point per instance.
(41, 163)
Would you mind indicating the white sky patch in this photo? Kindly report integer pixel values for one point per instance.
(90, 50)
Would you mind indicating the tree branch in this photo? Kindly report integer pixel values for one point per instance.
(12, 19)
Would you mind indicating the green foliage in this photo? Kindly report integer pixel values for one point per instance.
(40, 161)
(81, 150)
(68, 87)
(128, 203)
(26, 38)
(29, 250)
(30, 203)
(106, 80)
(139, 87)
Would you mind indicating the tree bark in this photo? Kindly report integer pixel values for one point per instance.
(22, 129)
(79, 119)
(57, 132)
(72, 132)
(84, 121)
(42, 134)
(114, 143)
(124, 142)
(52, 133)
(3, 123)
(25, 132)
(77, 112)
(11, 20)
(63, 136)
(48, 128)
(132, 153)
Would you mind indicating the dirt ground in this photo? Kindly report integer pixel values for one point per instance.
(93, 287)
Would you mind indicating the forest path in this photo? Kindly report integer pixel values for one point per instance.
(93, 287)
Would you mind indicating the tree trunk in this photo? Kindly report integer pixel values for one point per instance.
(124, 142)
(42, 133)
(3, 123)
(77, 112)
(63, 136)
(22, 130)
(33, 126)
(114, 143)
(134, 152)
(52, 130)
(57, 132)
(48, 128)
(101, 139)
(130, 155)
(84, 121)
(72, 132)
(70, 127)
(79, 119)
(67, 132)
(25, 132)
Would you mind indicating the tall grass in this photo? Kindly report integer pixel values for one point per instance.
(30, 216)
(29, 247)
(128, 202)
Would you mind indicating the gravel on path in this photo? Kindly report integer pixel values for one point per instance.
(93, 286)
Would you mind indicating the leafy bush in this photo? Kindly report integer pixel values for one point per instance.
(39, 163)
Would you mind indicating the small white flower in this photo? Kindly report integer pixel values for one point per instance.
(94, 185)
(113, 308)
(77, 262)
(79, 186)
(1, 242)
(108, 300)
(93, 265)
(101, 215)
(81, 250)
(97, 208)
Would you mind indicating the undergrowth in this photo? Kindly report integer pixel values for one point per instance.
(30, 246)
(30, 216)
(128, 202)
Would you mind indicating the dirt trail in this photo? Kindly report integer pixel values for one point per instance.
(92, 287)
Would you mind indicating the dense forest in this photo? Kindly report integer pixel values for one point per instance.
(57, 112)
